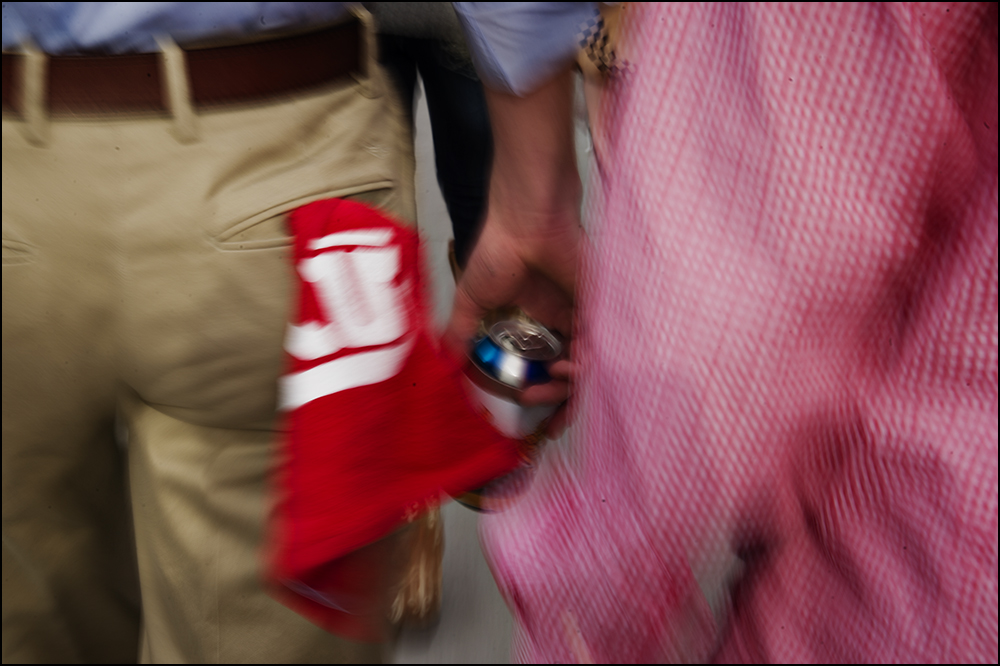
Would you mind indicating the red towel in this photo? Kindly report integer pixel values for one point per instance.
(378, 422)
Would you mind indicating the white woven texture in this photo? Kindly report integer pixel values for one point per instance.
(786, 438)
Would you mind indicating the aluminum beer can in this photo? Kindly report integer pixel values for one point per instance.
(510, 355)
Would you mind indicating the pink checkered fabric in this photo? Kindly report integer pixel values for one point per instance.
(786, 439)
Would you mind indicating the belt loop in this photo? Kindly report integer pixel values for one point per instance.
(370, 79)
(34, 92)
(177, 90)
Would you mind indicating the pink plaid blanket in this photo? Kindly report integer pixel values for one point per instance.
(786, 439)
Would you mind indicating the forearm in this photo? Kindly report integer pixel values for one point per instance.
(534, 185)
(534, 159)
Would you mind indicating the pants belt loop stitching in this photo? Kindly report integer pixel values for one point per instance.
(177, 90)
(369, 79)
(34, 94)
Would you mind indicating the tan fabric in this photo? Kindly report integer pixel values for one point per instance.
(146, 275)
(417, 603)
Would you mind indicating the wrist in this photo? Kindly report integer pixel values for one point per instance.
(535, 196)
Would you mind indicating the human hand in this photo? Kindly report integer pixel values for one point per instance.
(532, 271)
(527, 253)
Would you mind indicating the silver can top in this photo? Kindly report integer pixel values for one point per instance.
(526, 339)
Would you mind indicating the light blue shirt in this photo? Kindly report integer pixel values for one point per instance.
(518, 45)
(69, 28)
(515, 45)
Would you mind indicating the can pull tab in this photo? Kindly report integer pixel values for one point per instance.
(523, 342)
(526, 340)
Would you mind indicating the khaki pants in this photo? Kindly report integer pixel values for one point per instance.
(146, 287)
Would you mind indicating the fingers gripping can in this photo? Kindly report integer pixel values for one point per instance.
(509, 355)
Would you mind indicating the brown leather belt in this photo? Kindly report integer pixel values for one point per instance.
(88, 85)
